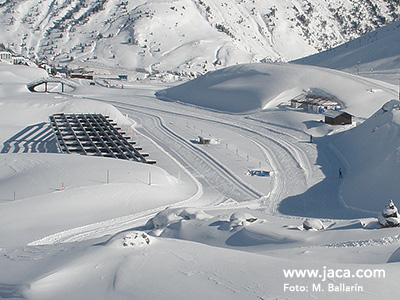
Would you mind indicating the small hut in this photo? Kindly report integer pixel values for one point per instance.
(336, 117)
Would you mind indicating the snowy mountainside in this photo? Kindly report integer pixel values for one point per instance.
(373, 55)
(183, 36)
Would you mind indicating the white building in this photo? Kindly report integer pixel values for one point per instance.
(6, 56)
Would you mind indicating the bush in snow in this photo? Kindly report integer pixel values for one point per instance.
(173, 215)
(193, 214)
(389, 216)
(135, 239)
(132, 239)
(163, 219)
(313, 224)
(239, 218)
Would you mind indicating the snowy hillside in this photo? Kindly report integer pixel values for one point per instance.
(200, 223)
(373, 55)
(252, 87)
(373, 161)
(197, 225)
(183, 36)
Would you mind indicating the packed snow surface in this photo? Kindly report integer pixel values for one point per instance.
(195, 225)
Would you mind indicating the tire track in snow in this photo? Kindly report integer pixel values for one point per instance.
(293, 153)
(278, 180)
(301, 160)
(117, 224)
(202, 163)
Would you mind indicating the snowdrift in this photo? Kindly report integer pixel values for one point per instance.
(251, 87)
(371, 152)
(37, 178)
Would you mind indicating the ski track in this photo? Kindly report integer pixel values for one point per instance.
(298, 155)
(102, 228)
(278, 180)
(384, 241)
(278, 148)
(214, 166)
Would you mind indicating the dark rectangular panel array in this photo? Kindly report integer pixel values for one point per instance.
(93, 134)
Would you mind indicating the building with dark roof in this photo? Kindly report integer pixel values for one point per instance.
(336, 117)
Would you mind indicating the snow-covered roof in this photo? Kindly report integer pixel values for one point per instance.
(335, 113)
(316, 100)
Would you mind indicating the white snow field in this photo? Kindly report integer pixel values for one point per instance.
(372, 55)
(196, 225)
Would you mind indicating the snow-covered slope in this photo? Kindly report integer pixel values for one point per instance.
(371, 156)
(220, 237)
(372, 55)
(252, 87)
(184, 36)
(368, 154)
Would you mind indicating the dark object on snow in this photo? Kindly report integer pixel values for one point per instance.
(239, 218)
(389, 216)
(310, 138)
(313, 224)
(337, 117)
(340, 173)
(258, 173)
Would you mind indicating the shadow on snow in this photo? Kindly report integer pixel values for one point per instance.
(37, 138)
(322, 199)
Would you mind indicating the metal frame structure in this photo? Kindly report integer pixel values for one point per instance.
(45, 80)
(94, 134)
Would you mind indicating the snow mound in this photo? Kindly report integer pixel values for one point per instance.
(173, 215)
(249, 236)
(389, 216)
(395, 257)
(236, 221)
(313, 224)
(252, 87)
(240, 218)
(132, 239)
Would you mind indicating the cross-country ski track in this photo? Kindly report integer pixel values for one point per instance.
(291, 160)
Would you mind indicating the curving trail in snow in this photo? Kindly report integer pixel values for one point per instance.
(290, 159)
(281, 144)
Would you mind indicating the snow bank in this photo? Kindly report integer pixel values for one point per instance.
(395, 257)
(173, 215)
(251, 87)
(313, 224)
(372, 156)
(240, 218)
(36, 180)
